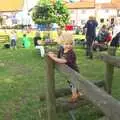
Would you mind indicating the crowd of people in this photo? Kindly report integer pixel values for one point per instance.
(26, 42)
(105, 36)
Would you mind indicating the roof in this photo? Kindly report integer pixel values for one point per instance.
(91, 4)
(11, 5)
(113, 4)
(78, 5)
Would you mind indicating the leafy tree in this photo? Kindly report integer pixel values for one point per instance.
(46, 13)
(1, 20)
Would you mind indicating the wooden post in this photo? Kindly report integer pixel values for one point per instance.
(51, 100)
(109, 72)
(104, 118)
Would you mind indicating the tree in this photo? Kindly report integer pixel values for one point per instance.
(46, 13)
(1, 20)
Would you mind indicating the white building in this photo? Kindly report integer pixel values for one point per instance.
(101, 9)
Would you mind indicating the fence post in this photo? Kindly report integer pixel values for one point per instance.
(109, 71)
(51, 100)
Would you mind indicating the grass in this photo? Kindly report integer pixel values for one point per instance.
(22, 80)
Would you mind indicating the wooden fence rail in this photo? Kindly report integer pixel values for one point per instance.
(110, 59)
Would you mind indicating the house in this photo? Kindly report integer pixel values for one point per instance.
(11, 5)
(15, 12)
(81, 10)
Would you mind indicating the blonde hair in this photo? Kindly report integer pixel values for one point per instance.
(66, 37)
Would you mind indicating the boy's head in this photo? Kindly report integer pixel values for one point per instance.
(68, 45)
(66, 39)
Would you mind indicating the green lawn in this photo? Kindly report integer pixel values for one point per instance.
(22, 80)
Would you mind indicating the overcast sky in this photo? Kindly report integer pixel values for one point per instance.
(30, 3)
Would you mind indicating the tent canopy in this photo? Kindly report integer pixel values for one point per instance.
(11, 5)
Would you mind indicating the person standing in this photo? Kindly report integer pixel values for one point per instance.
(90, 35)
(13, 38)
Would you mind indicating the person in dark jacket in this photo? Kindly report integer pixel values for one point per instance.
(116, 40)
(36, 38)
(90, 35)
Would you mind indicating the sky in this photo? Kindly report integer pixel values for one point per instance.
(23, 15)
(30, 3)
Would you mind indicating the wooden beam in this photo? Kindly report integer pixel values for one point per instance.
(64, 105)
(110, 59)
(107, 104)
(104, 118)
(51, 100)
(58, 93)
(67, 91)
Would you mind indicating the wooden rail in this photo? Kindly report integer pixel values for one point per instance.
(110, 59)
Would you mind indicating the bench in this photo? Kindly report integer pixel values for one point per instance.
(79, 39)
(4, 39)
(50, 44)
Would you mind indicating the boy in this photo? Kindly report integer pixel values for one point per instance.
(69, 58)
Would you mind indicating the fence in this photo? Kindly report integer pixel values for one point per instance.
(106, 103)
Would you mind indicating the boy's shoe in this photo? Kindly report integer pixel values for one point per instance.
(75, 97)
